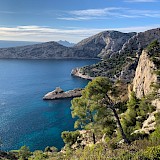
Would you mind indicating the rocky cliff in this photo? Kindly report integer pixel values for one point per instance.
(147, 81)
(139, 41)
(103, 44)
(122, 65)
(144, 76)
(147, 75)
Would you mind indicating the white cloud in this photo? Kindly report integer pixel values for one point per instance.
(94, 12)
(44, 34)
(89, 14)
(107, 13)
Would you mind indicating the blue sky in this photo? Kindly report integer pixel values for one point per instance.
(74, 20)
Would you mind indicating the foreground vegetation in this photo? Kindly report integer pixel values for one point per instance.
(110, 124)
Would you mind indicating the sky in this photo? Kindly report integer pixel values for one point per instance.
(74, 20)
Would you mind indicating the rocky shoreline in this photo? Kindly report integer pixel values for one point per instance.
(76, 72)
(58, 93)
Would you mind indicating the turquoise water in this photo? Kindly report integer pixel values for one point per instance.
(25, 119)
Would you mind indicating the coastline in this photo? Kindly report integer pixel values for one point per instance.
(76, 72)
(50, 58)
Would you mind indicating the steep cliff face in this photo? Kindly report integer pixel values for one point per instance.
(122, 65)
(139, 41)
(104, 44)
(144, 76)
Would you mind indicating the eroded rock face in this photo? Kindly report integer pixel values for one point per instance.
(141, 40)
(104, 44)
(144, 76)
(122, 65)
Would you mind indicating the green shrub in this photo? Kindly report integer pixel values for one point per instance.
(154, 44)
(24, 153)
(152, 153)
(70, 138)
(38, 155)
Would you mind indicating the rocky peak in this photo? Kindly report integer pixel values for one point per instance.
(140, 41)
(105, 43)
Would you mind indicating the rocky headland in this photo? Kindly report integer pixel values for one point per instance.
(77, 73)
(122, 63)
(58, 93)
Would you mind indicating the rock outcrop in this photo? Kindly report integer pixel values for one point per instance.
(141, 40)
(103, 44)
(144, 76)
(121, 64)
(58, 93)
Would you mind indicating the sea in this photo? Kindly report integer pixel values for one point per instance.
(25, 118)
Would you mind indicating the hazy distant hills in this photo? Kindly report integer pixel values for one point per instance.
(66, 43)
(6, 44)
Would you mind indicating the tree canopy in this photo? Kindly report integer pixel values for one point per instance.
(97, 107)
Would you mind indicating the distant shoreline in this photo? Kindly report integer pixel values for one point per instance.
(70, 58)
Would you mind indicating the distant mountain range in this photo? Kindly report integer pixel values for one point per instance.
(66, 43)
(7, 44)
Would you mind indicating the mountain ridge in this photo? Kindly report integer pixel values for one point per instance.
(122, 65)
(87, 48)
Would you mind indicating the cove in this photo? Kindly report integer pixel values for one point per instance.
(25, 119)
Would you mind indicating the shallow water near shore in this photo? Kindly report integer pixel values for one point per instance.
(25, 119)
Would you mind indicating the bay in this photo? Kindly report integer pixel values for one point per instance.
(25, 119)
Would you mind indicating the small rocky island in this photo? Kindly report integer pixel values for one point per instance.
(58, 93)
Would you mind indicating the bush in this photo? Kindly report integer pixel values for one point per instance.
(38, 155)
(24, 153)
(70, 138)
(152, 153)
(153, 45)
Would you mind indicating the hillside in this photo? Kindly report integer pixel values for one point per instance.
(99, 45)
(108, 118)
(104, 44)
(47, 50)
(139, 117)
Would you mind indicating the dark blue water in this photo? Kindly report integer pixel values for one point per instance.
(25, 119)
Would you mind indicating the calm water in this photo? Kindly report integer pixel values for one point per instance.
(25, 119)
